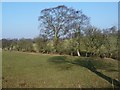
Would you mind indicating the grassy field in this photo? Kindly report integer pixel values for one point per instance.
(29, 70)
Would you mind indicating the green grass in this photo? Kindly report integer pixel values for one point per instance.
(22, 70)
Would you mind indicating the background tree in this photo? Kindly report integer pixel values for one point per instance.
(93, 40)
(41, 43)
(6, 44)
(14, 44)
(113, 42)
(25, 45)
(1, 43)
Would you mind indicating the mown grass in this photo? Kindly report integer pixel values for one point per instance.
(25, 70)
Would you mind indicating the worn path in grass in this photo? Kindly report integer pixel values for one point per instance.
(54, 71)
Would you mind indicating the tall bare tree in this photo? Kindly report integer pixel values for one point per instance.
(60, 21)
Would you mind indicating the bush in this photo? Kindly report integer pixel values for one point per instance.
(114, 54)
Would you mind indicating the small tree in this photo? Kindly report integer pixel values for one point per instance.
(41, 42)
(94, 39)
(110, 38)
(25, 45)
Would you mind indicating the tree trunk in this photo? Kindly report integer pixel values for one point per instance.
(78, 53)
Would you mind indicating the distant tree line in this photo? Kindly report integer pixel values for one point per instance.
(67, 31)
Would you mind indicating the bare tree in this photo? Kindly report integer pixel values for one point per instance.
(60, 21)
(78, 24)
